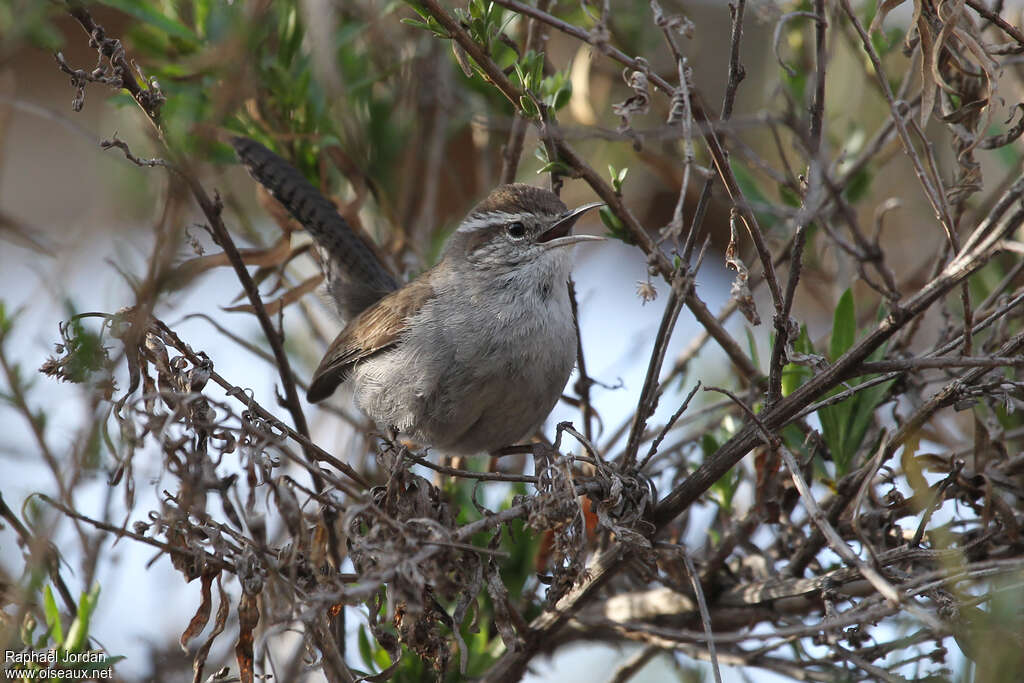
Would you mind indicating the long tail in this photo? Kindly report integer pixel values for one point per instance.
(356, 278)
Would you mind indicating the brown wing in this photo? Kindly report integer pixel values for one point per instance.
(374, 330)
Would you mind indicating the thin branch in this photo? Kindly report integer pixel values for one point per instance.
(648, 394)
(977, 250)
(705, 617)
(718, 155)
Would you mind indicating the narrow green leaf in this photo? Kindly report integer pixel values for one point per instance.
(752, 193)
(561, 98)
(844, 326)
(752, 348)
(416, 23)
(145, 13)
(52, 616)
(709, 445)
(789, 198)
(79, 631)
(555, 167)
(529, 108)
(833, 429)
(868, 400)
(616, 228)
(365, 649)
(858, 186)
(381, 658)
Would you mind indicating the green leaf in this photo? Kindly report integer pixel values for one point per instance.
(146, 14)
(6, 321)
(418, 9)
(520, 74)
(415, 23)
(558, 167)
(753, 194)
(381, 658)
(528, 107)
(789, 197)
(618, 177)
(794, 375)
(723, 490)
(858, 185)
(52, 615)
(845, 424)
(537, 70)
(561, 98)
(365, 648)
(752, 348)
(844, 326)
(835, 419)
(79, 631)
(708, 444)
(616, 228)
(866, 401)
(796, 84)
(28, 627)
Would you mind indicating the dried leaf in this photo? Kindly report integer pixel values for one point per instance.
(1009, 136)
(1003, 511)
(740, 290)
(248, 618)
(884, 8)
(680, 24)
(288, 506)
(271, 256)
(202, 615)
(768, 497)
(637, 104)
(289, 297)
(505, 615)
(913, 470)
(462, 58)
(929, 89)
(218, 628)
(640, 101)
(948, 26)
(963, 113)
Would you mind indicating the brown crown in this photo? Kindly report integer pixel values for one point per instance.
(518, 198)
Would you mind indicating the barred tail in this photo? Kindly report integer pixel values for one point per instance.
(355, 275)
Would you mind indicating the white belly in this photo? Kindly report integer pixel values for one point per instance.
(466, 381)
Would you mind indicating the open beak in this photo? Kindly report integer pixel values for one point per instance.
(558, 234)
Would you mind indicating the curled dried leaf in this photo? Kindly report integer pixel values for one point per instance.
(740, 290)
(636, 104)
(202, 615)
(1011, 135)
(680, 24)
(220, 621)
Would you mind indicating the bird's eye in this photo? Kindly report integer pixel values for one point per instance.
(516, 230)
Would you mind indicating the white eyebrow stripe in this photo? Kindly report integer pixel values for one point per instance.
(489, 219)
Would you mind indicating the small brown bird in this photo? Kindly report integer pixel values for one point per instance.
(473, 354)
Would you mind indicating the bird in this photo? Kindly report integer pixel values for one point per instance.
(471, 355)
